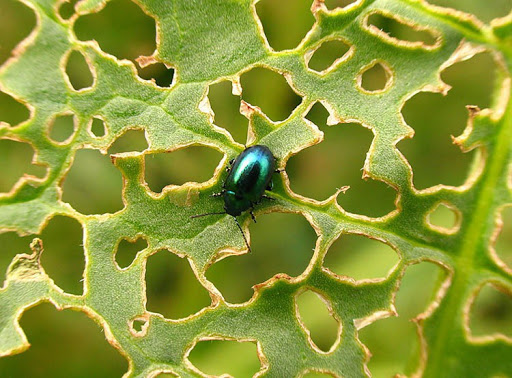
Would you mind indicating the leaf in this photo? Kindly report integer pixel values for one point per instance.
(209, 40)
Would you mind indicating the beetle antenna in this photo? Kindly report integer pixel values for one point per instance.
(243, 235)
(203, 215)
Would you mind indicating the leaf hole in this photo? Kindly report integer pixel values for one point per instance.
(62, 128)
(280, 243)
(328, 55)
(53, 337)
(97, 127)
(491, 312)
(380, 200)
(484, 11)
(317, 171)
(78, 71)
(444, 218)
(189, 164)
(270, 91)
(226, 108)
(18, 20)
(67, 9)
(315, 314)
(419, 288)
(350, 255)
(291, 15)
(121, 29)
(132, 140)
(16, 162)
(333, 4)
(392, 341)
(172, 289)
(93, 184)
(214, 357)
(157, 73)
(63, 257)
(435, 118)
(139, 326)
(503, 243)
(164, 374)
(375, 78)
(405, 32)
(127, 251)
(12, 111)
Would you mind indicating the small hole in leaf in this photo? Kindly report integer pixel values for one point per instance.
(127, 250)
(393, 340)
(375, 78)
(12, 111)
(62, 128)
(63, 257)
(315, 314)
(280, 243)
(172, 289)
(18, 20)
(444, 218)
(15, 161)
(130, 141)
(12, 244)
(53, 337)
(159, 73)
(401, 31)
(318, 171)
(93, 185)
(292, 16)
(485, 11)
(190, 164)
(98, 127)
(435, 118)
(78, 71)
(333, 4)
(67, 9)
(215, 357)
(166, 375)
(138, 326)
(226, 107)
(491, 312)
(503, 246)
(326, 56)
(270, 91)
(360, 257)
(121, 29)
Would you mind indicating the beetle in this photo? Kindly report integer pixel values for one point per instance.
(250, 175)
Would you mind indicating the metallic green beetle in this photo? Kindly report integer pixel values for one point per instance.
(249, 176)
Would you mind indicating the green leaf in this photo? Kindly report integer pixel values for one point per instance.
(206, 41)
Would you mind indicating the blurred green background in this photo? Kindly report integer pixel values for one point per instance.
(68, 344)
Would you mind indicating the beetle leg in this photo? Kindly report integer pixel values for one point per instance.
(218, 194)
(270, 185)
(279, 170)
(268, 197)
(252, 216)
(230, 165)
